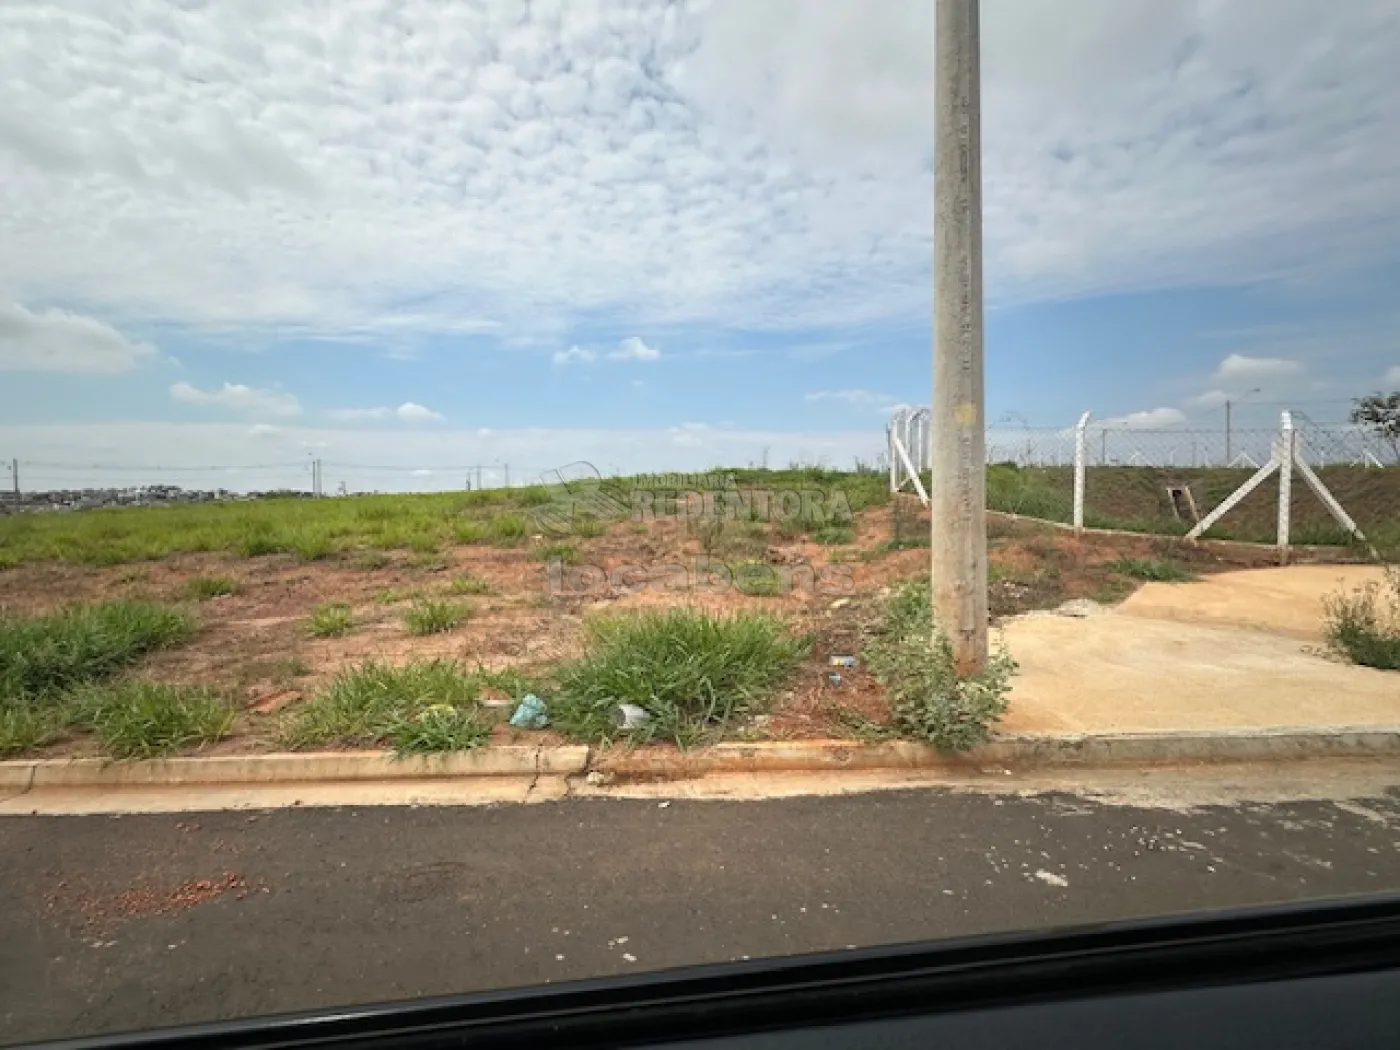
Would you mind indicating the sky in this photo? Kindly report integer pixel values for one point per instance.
(408, 237)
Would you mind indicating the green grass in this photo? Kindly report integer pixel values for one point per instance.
(468, 531)
(430, 616)
(465, 585)
(1155, 570)
(146, 719)
(25, 726)
(84, 643)
(202, 588)
(394, 595)
(1363, 625)
(425, 705)
(832, 535)
(589, 527)
(561, 552)
(930, 700)
(690, 671)
(330, 620)
(507, 530)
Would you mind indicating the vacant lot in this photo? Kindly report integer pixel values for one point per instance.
(389, 621)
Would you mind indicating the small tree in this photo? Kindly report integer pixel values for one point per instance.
(1380, 413)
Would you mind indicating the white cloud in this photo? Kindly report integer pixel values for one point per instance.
(1237, 368)
(239, 398)
(253, 169)
(1151, 419)
(409, 411)
(1392, 377)
(855, 397)
(58, 341)
(263, 430)
(1209, 399)
(357, 415)
(415, 413)
(633, 349)
(575, 353)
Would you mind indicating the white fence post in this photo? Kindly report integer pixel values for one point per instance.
(1080, 436)
(1286, 447)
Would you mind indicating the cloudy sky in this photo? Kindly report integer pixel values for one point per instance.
(423, 234)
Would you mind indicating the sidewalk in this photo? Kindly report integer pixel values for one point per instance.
(1240, 650)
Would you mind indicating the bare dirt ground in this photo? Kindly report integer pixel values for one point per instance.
(254, 644)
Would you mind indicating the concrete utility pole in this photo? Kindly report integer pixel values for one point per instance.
(959, 492)
(14, 475)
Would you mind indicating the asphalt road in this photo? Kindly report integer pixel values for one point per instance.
(114, 923)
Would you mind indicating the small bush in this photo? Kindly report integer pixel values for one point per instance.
(84, 643)
(690, 671)
(464, 585)
(1154, 569)
(330, 620)
(433, 617)
(202, 588)
(1364, 625)
(425, 705)
(832, 535)
(561, 552)
(930, 700)
(145, 719)
(507, 530)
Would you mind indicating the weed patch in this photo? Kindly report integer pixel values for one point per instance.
(146, 719)
(1153, 569)
(692, 673)
(203, 588)
(1364, 624)
(930, 700)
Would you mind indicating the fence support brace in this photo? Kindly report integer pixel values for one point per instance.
(1284, 459)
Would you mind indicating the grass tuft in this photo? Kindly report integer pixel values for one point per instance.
(84, 643)
(330, 620)
(425, 705)
(468, 584)
(203, 588)
(429, 616)
(690, 671)
(147, 719)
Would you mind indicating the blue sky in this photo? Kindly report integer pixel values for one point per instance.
(425, 235)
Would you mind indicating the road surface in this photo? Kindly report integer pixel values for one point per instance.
(115, 923)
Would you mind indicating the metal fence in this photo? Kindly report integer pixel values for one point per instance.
(1112, 444)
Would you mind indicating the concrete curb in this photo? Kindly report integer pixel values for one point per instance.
(1020, 750)
(294, 768)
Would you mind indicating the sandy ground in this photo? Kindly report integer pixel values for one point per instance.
(1238, 649)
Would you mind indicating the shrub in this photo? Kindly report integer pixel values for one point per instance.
(202, 588)
(433, 617)
(425, 705)
(1153, 569)
(1364, 625)
(330, 620)
(83, 643)
(690, 671)
(930, 700)
(145, 719)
